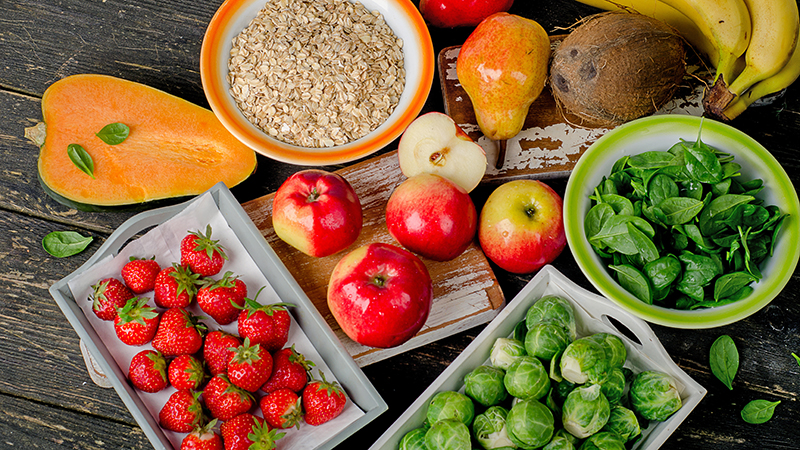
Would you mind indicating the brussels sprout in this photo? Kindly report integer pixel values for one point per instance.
(490, 430)
(613, 386)
(654, 395)
(530, 424)
(546, 340)
(520, 330)
(485, 385)
(603, 440)
(616, 353)
(584, 360)
(562, 433)
(527, 378)
(555, 368)
(505, 351)
(552, 308)
(448, 434)
(623, 422)
(414, 440)
(585, 411)
(450, 405)
(559, 443)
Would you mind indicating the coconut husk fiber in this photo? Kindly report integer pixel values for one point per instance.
(617, 66)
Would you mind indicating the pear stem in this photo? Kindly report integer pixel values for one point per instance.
(501, 154)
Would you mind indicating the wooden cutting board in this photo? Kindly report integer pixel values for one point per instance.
(465, 290)
(551, 141)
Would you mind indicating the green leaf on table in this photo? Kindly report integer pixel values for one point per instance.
(65, 243)
(759, 411)
(796, 358)
(81, 158)
(724, 360)
(114, 133)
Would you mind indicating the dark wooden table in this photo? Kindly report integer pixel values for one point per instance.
(47, 400)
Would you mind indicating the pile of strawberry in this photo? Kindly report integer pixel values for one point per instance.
(220, 378)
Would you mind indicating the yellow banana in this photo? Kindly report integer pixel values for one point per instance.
(689, 30)
(728, 25)
(781, 80)
(775, 26)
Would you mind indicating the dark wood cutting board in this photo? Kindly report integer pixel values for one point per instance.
(466, 292)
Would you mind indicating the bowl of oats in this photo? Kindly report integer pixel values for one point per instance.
(317, 82)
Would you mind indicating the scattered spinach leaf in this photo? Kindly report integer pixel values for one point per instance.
(81, 158)
(724, 360)
(796, 358)
(114, 133)
(759, 411)
(65, 243)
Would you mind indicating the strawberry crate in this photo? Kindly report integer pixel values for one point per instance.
(593, 314)
(157, 233)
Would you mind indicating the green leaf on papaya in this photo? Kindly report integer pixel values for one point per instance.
(81, 158)
(114, 133)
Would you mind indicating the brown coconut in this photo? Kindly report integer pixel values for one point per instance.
(617, 66)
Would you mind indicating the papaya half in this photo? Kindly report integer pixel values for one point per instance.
(174, 148)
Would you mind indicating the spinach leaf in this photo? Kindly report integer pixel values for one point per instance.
(678, 210)
(797, 358)
(759, 411)
(81, 158)
(702, 164)
(634, 282)
(621, 204)
(652, 160)
(698, 269)
(596, 217)
(660, 188)
(65, 243)
(724, 360)
(114, 133)
(663, 271)
(731, 283)
(725, 203)
(647, 249)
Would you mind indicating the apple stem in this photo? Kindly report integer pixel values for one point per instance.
(501, 154)
(313, 195)
(379, 280)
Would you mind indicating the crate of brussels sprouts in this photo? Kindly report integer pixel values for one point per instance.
(559, 368)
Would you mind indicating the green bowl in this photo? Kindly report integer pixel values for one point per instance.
(660, 133)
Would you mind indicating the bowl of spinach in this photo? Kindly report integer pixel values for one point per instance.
(685, 222)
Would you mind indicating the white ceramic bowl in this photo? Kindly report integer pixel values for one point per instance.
(234, 15)
(660, 133)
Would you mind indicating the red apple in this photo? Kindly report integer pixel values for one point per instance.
(380, 295)
(521, 227)
(432, 216)
(460, 13)
(317, 212)
(434, 143)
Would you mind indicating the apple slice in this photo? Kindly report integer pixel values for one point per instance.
(434, 143)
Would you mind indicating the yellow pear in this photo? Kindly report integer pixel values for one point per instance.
(503, 67)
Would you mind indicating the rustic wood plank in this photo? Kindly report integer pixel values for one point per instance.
(29, 425)
(466, 292)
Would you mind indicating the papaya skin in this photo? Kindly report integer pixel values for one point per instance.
(175, 149)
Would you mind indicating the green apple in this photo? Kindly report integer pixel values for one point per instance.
(521, 226)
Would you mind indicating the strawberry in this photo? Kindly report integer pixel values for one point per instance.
(290, 370)
(224, 399)
(175, 287)
(267, 325)
(322, 401)
(248, 432)
(182, 412)
(202, 254)
(179, 333)
(140, 274)
(250, 366)
(148, 371)
(186, 372)
(282, 408)
(136, 323)
(222, 299)
(107, 296)
(203, 438)
(216, 350)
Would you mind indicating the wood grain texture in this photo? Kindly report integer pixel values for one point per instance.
(465, 290)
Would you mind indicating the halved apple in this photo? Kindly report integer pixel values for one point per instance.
(435, 144)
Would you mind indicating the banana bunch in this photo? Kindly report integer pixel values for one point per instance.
(751, 44)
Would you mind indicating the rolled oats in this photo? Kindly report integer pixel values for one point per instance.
(316, 73)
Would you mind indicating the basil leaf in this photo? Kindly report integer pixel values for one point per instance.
(114, 133)
(65, 243)
(81, 159)
(758, 411)
(724, 360)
